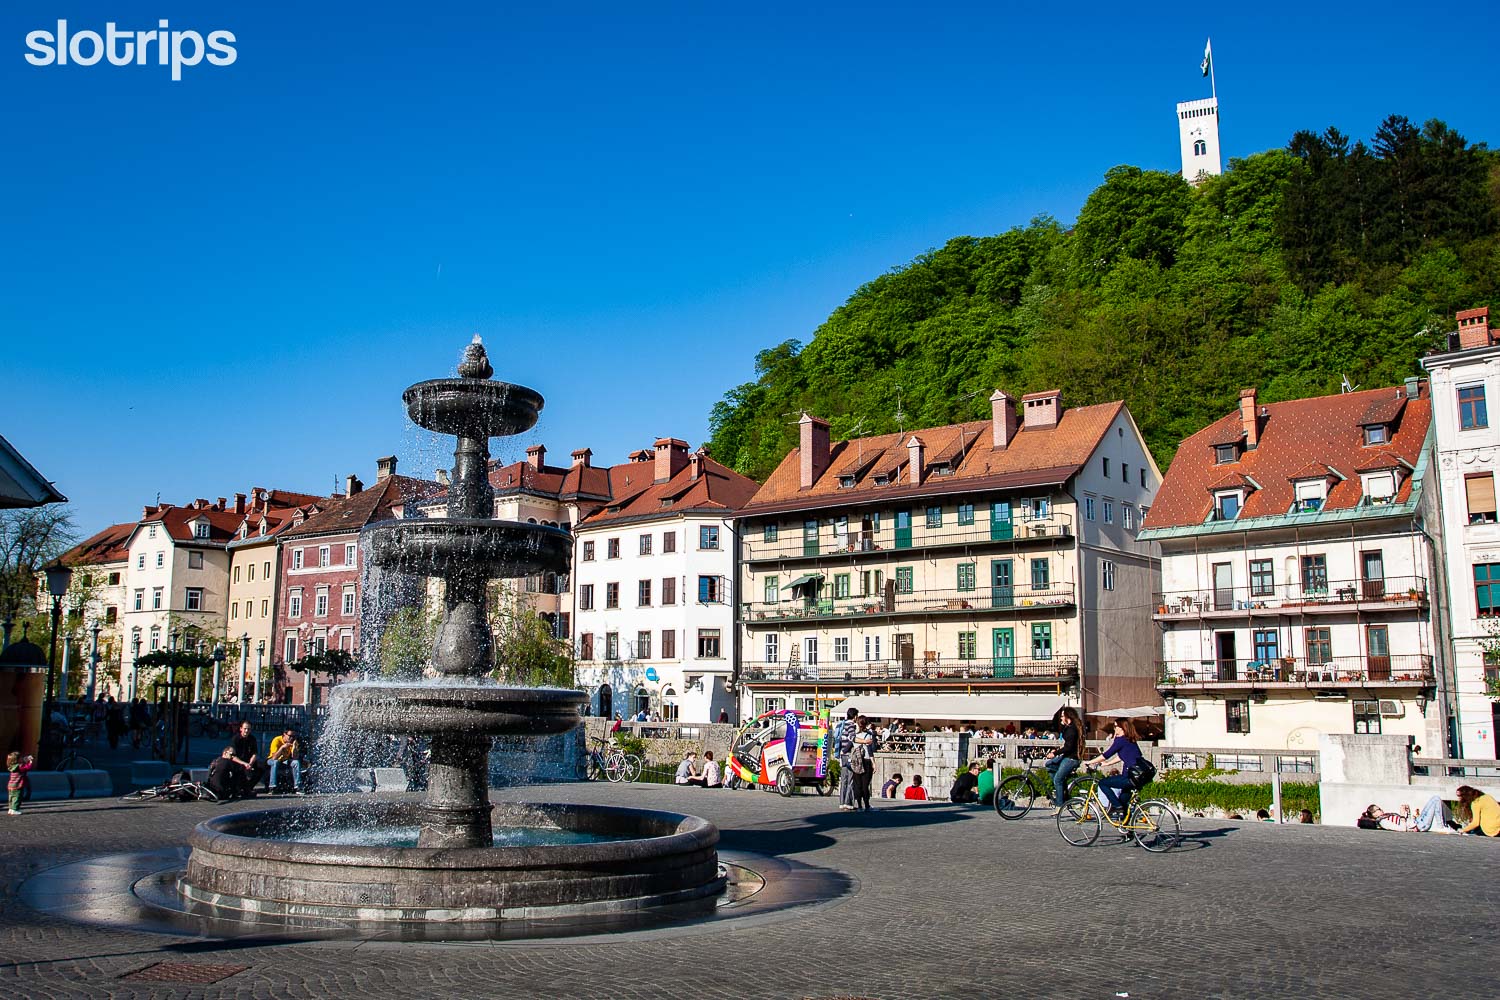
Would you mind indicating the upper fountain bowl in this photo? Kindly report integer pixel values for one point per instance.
(471, 407)
(467, 547)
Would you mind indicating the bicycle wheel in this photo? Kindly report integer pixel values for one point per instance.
(592, 770)
(614, 767)
(1079, 822)
(632, 767)
(76, 762)
(1156, 827)
(1015, 797)
(140, 795)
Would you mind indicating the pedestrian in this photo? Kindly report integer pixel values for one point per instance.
(842, 740)
(1063, 761)
(862, 763)
(114, 722)
(723, 716)
(17, 766)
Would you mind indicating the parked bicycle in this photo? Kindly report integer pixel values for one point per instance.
(612, 763)
(1017, 795)
(1152, 823)
(173, 791)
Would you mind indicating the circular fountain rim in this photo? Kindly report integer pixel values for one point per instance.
(692, 833)
(461, 688)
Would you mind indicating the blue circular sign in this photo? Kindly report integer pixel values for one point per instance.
(651, 674)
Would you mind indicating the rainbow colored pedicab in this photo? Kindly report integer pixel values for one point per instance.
(785, 748)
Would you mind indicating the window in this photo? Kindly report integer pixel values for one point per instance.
(669, 541)
(266, 566)
(1367, 716)
(643, 645)
(611, 595)
(296, 559)
(586, 646)
(1107, 574)
(1310, 494)
(1106, 467)
(289, 650)
(324, 557)
(1237, 717)
(161, 559)
(114, 579)
(841, 649)
(708, 644)
(265, 607)
(669, 590)
(1262, 578)
(1200, 148)
(965, 513)
(1472, 414)
(1319, 643)
(140, 600)
(236, 574)
(321, 604)
(1125, 472)
(140, 561)
(769, 532)
(1379, 487)
(1226, 506)
(1143, 485)
(872, 647)
(111, 615)
(151, 531)
(644, 543)
(194, 599)
(773, 648)
(614, 548)
(234, 611)
(1109, 511)
(201, 530)
(965, 576)
(773, 589)
(155, 637)
(841, 585)
(1088, 508)
(1480, 490)
(156, 599)
(586, 597)
(967, 645)
(903, 580)
(1041, 641)
(611, 645)
(668, 644)
(708, 536)
(708, 589)
(1376, 434)
(1315, 574)
(588, 551)
(348, 608)
(934, 517)
(351, 553)
(1267, 645)
(643, 593)
(1127, 516)
(1041, 574)
(1487, 589)
(1039, 507)
(294, 604)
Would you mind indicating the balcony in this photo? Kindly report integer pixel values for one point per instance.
(1024, 530)
(930, 668)
(927, 603)
(1408, 669)
(1390, 593)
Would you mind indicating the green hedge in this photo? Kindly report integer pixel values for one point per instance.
(1197, 790)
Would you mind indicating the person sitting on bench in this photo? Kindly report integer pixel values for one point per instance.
(285, 749)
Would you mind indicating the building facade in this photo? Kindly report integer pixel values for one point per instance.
(653, 591)
(96, 603)
(997, 561)
(1301, 587)
(1468, 453)
(1198, 135)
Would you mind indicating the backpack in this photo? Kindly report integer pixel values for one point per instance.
(1141, 774)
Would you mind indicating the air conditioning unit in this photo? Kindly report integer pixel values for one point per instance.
(1392, 709)
(1185, 708)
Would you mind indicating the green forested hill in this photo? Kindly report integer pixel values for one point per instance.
(1296, 267)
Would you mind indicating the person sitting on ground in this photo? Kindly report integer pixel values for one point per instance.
(891, 787)
(1263, 815)
(1483, 812)
(687, 771)
(916, 791)
(966, 788)
(223, 776)
(987, 782)
(712, 776)
(286, 750)
(247, 758)
(1305, 816)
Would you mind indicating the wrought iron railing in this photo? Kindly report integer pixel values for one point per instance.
(979, 600)
(927, 668)
(1402, 668)
(1308, 594)
(792, 543)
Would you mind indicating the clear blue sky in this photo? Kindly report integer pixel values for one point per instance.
(227, 281)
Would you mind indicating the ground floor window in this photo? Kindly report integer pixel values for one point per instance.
(1367, 717)
(1237, 716)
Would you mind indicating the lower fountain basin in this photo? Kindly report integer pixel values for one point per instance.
(253, 863)
(478, 709)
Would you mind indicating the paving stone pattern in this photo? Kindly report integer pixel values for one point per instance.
(947, 901)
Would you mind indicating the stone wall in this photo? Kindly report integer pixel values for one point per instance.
(667, 742)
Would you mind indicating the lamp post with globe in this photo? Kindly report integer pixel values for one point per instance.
(58, 579)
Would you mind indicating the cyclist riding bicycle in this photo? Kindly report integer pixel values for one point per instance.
(1123, 751)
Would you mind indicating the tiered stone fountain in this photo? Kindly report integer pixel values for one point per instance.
(570, 861)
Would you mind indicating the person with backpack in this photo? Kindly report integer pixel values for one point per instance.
(842, 742)
(1135, 770)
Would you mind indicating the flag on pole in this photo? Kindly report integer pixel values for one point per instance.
(1208, 56)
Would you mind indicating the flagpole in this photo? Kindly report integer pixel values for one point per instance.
(1212, 83)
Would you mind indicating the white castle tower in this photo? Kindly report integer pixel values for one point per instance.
(1198, 129)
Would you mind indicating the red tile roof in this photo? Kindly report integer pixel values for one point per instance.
(107, 546)
(374, 503)
(717, 488)
(1035, 456)
(1323, 430)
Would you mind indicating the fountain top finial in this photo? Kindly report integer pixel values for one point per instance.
(476, 364)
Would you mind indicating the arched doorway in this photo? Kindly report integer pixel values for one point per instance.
(669, 704)
(606, 701)
(642, 702)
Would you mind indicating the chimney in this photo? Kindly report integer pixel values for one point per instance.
(814, 448)
(536, 456)
(239, 503)
(1002, 419)
(385, 467)
(351, 485)
(1249, 422)
(441, 476)
(914, 450)
(1041, 409)
(696, 463)
(200, 504)
(581, 458)
(1474, 328)
(222, 504)
(671, 458)
(1413, 387)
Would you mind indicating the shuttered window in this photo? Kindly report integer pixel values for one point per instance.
(1481, 495)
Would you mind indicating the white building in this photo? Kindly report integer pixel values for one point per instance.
(1301, 584)
(1468, 452)
(1198, 134)
(653, 590)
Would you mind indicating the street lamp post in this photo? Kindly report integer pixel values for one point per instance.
(239, 692)
(58, 578)
(94, 661)
(260, 653)
(218, 666)
(135, 662)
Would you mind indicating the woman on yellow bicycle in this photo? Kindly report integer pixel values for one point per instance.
(1122, 750)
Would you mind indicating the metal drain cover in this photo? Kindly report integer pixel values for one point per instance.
(183, 972)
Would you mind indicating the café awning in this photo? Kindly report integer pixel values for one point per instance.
(1143, 712)
(955, 707)
(803, 581)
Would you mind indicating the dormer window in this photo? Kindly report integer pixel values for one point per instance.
(1227, 504)
(882, 479)
(200, 530)
(1311, 493)
(1377, 434)
(847, 482)
(1226, 453)
(942, 469)
(1379, 487)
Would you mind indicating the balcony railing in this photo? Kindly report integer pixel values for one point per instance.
(794, 544)
(929, 667)
(979, 601)
(1405, 668)
(1303, 596)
